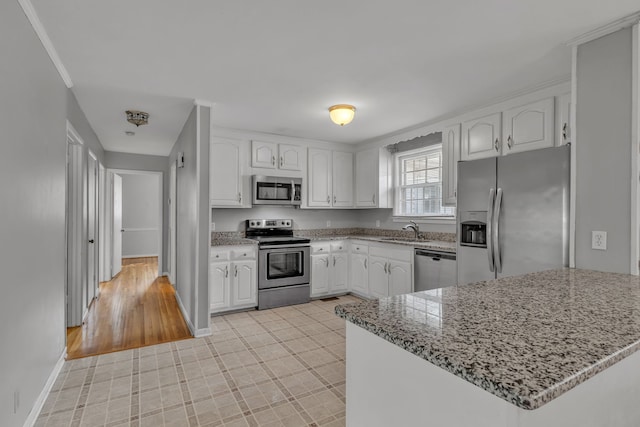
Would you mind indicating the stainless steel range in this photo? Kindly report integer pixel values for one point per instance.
(283, 263)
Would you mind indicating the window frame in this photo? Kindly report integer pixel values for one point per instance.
(397, 185)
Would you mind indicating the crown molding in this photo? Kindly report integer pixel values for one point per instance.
(28, 9)
(609, 28)
(203, 103)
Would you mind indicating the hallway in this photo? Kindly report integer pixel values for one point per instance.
(135, 309)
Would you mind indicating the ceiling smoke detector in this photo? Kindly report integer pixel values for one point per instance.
(129, 133)
(137, 117)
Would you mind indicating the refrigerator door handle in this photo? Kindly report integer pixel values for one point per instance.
(492, 193)
(496, 232)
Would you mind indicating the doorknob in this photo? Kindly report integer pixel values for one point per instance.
(90, 240)
(122, 231)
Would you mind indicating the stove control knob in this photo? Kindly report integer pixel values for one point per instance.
(288, 223)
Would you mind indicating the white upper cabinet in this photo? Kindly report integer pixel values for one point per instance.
(330, 178)
(450, 157)
(342, 179)
(529, 127)
(264, 154)
(563, 115)
(481, 137)
(226, 173)
(373, 179)
(269, 155)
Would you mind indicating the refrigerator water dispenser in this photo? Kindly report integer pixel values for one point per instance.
(473, 229)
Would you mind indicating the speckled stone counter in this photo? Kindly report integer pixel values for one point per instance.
(230, 238)
(431, 244)
(525, 339)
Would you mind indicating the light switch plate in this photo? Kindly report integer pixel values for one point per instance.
(599, 240)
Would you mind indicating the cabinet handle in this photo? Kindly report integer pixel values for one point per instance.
(365, 263)
(328, 199)
(239, 197)
(564, 132)
(235, 273)
(385, 268)
(509, 142)
(374, 198)
(334, 199)
(389, 269)
(273, 160)
(226, 271)
(326, 260)
(334, 261)
(496, 145)
(281, 161)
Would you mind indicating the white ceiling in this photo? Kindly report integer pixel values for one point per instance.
(276, 66)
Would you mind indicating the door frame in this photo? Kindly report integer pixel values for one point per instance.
(92, 282)
(109, 212)
(173, 221)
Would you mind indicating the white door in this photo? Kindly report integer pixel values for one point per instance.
(339, 272)
(481, 137)
(450, 157)
(529, 127)
(172, 225)
(342, 179)
(244, 290)
(225, 173)
(319, 170)
(75, 238)
(92, 228)
(116, 230)
(359, 274)
(378, 279)
(263, 154)
(219, 297)
(400, 278)
(290, 157)
(366, 178)
(319, 274)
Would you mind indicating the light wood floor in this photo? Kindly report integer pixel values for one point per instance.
(135, 309)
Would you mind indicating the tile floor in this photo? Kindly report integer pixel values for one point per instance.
(279, 367)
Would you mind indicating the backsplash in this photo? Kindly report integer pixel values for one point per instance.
(330, 232)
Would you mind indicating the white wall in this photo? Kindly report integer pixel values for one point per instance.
(32, 213)
(140, 216)
(603, 151)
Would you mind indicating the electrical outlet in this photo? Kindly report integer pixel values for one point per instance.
(213, 226)
(378, 223)
(599, 240)
(328, 224)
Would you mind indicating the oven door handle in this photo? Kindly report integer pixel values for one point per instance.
(287, 246)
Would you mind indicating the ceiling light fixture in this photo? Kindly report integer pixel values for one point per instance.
(342, 114)
(137, 117)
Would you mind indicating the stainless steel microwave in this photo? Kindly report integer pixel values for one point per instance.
(277, 190)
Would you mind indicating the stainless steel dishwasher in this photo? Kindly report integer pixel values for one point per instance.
(433, 269)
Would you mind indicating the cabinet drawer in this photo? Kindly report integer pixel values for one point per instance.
(219, 254)
(243, 253)
(397, 252)
(338, 246)
(359, 248)
(320, 248)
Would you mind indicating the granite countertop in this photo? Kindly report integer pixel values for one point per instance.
(423, 244)
(525, 339)
(233, 241)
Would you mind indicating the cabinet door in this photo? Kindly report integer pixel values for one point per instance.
(359, 274)
(342, 179)
(563, 115)
(243, 288)
(481, 137)
(378, 278)
(319, 274)
(529, 127)
(319, 177)
(219, 298)
(290, 157)
(367, 179)
(264, 154)
(450, 157)
(339, 272)
(225, 173)
(400, 278)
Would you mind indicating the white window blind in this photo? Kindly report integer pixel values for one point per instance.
(419, 183)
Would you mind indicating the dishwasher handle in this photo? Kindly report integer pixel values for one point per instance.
(435, 255)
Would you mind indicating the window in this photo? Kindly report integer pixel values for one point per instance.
(419, 183)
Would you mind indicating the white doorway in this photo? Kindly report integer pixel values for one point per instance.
(173, 259)
(92, 229)
(142, 236)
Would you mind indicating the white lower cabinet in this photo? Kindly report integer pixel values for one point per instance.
(329, 268)
(359, 268)
(390, 270)
(233, 278)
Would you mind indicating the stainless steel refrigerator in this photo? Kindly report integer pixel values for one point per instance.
(513, 214)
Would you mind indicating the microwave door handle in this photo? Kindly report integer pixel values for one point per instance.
(293, 191)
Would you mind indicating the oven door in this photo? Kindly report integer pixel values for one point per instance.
(283, 266)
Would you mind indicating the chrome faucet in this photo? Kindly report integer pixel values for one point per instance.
(413, 226)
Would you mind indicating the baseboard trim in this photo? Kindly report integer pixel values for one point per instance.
(204, 332)
(39, 403)
(185, 315)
